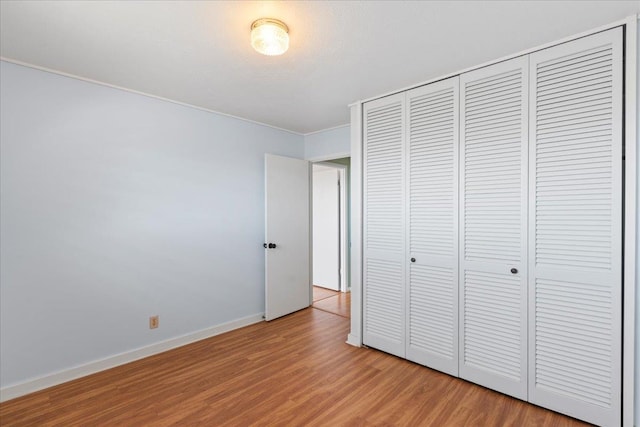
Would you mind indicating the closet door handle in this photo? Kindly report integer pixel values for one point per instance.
(514, 271)
(413, 260)
(272, 245)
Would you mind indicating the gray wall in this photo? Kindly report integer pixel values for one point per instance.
(328, 144)
(115, 207)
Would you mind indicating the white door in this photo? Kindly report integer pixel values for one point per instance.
(432, 292)
(384, 225)
(576, 228)
(287, 234)
(493, 227)
(326, 227)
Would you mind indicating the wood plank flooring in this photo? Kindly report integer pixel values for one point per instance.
(293, 371)
(339, 303)
(321, 293)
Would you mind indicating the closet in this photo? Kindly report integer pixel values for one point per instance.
(492, 226)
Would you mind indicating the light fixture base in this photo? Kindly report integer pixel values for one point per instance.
(269, 36)
(272, 21)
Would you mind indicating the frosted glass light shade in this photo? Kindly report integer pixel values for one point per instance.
(270, 36)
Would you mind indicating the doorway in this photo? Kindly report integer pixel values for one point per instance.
(330, 231)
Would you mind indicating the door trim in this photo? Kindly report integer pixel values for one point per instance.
(355, 335)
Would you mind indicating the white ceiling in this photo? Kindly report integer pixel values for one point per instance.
(198, 52)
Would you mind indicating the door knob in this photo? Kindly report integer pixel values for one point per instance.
(514, 270)
(413, 260)
(264, 245)
(272, 245)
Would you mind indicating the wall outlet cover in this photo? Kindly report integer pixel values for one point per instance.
(154, 322)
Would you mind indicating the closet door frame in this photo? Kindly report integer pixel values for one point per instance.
(630, 131)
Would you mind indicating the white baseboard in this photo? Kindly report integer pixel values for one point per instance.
(13, 391)
(354, 340)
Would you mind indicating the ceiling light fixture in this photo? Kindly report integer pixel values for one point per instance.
(270, 36)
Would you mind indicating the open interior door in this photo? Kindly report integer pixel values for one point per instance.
(287, 236)
(326, 227)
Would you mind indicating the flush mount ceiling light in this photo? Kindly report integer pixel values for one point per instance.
(270, 36)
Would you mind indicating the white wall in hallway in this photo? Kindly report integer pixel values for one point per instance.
(326, 227)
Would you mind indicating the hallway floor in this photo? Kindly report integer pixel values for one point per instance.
(332, 301)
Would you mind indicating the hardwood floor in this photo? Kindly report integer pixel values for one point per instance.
(322, 293)
(339, 304)
(293, 371)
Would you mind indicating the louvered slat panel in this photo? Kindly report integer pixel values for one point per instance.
(494, 114)
(432, 161)
(431, 311)
(432, 172)
(492, 338)
(558, 307)
(384, 225)
(482, 153)
(384, 305)
(384, 180)
(554, 142)
(575, 262)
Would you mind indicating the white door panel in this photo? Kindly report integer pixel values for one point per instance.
(383, 226)
(493, 218)
(432, 225)
(575, 228)
(287, 218)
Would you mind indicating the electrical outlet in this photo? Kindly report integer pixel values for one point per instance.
(154, 322)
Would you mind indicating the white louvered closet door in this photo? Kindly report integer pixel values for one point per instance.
(576, 228)
(432, 277)
(384, 227)
(493, 200)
